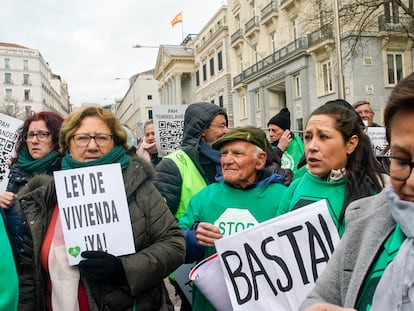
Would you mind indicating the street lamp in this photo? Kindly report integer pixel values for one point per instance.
(341, 84)
(160, 48)
(139, 46)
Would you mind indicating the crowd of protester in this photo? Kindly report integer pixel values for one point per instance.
(175, 204)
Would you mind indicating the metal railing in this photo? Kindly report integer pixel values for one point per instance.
(395, 23)
(278, 56)
(268, 9)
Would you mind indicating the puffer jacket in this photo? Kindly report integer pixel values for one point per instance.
(159, 244)
(18, 178)
(168, 179)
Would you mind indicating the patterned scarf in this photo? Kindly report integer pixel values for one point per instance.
(31, 166)
(116, 155)
(395, 291)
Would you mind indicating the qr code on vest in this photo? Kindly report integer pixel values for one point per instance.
(171, 134)
(6, 148)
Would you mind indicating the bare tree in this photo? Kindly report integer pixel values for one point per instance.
(12, 108)
(363, 18)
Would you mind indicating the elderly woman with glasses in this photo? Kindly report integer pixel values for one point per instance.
(36, 153)
(372, 267)
(93, 136)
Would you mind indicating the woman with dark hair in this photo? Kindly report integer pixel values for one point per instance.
(341, 165)
(36, 153)
(372, 266)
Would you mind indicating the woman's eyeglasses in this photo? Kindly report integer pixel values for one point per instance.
(82, 140)
(41, 136)
(400, 169)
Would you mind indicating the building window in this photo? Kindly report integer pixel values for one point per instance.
(197, 77)
(243, 108)
(258, 102)
(273, 40)
(211, 67)
(326, 74)
(149, 97)
(296, 81)
(8, 77)
(27, 110)
(7, 63)
(220, 60)
(26, 95)
(204, 72)
(26, 79)
(25, 64)
(295, 28)
(221, 103)
(150, 114)
(8, 96)
(395, 68)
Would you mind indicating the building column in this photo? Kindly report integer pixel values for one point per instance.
(178, 90)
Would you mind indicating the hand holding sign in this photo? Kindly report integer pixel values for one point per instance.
(207, 233)
(102, 267)
(94, 211)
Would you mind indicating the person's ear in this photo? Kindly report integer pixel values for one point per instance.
(261, 160)
(351, 144)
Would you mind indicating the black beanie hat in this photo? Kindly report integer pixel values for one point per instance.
(282, 119)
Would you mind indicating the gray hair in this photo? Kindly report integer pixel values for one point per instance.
(146, 123)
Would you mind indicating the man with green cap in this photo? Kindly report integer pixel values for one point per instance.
(245, 195)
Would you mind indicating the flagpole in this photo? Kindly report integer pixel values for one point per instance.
(182, 27)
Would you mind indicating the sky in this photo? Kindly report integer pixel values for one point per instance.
(88, 43)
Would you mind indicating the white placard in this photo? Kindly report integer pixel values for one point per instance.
(168, 127)
(8, 140)
(378, 140)
(273, 265)
(94, 211)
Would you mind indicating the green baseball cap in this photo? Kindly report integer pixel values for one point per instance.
(250, 134)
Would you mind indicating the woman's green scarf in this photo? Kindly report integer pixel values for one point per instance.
(116, 155)
(38, 166)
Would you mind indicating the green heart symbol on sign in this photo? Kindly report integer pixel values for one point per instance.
(74, 251)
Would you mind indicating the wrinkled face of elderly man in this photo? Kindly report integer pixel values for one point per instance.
(240, 162)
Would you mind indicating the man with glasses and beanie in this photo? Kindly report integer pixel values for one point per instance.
(185, 172)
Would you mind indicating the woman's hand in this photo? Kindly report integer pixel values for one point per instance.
(284, 140)
(207, 233)
(7, 199)
(327, 307)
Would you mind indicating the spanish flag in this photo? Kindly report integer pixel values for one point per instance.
(177, 19)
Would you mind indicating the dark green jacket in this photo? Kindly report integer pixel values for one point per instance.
(159, 244)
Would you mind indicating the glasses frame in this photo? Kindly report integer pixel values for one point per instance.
(404, 162)
(219, 126)
(99, 144)
(40, 135)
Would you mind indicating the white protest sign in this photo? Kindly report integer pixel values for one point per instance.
(208, 276)
(273, 265)
(168, 127)
(94, 211)
(8, 140)
(378, 141)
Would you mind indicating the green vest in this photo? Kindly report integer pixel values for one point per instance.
(192, 181)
